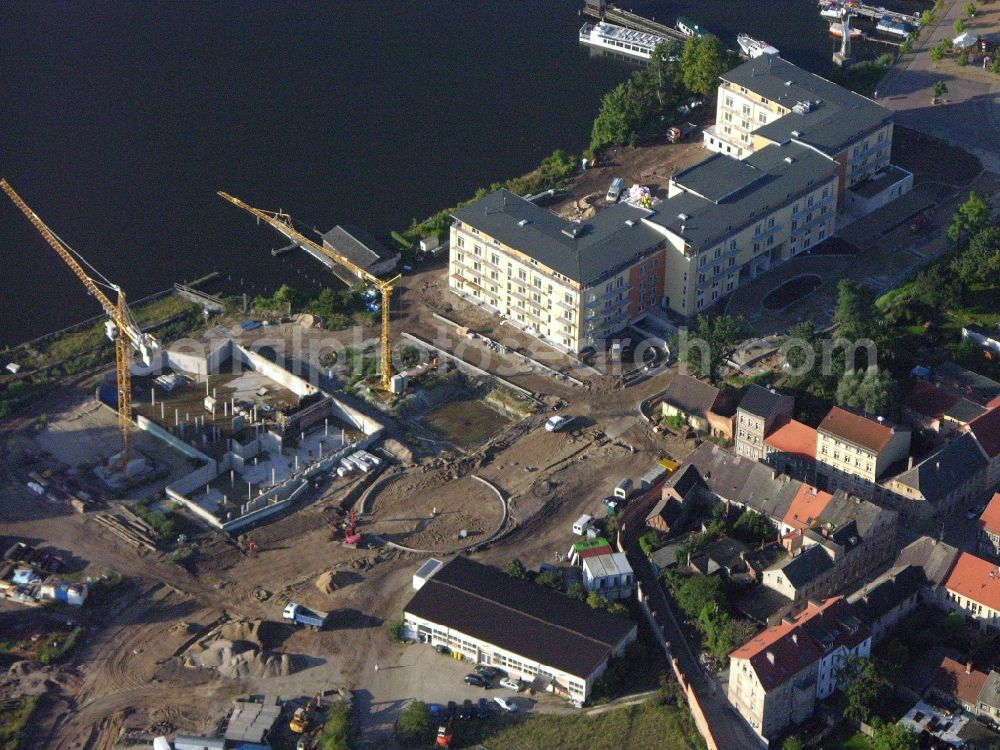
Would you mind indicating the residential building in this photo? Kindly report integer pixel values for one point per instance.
(727, 222)
(959, 684)
(883, 603)
(986, 429)
(724, 555)
(988, 541)
(533, 632)
(806, 508)
(571, 284)
(936, 559)
(951, 478)
(769, 101)
(761, 410)
(706, 409)
(361, 248)
(777, 677)
(988, 705)
(791, 450)
(610, 576)
(847, 540)
(973, 386)
(973, 589)
(934, 408)
(854, 450)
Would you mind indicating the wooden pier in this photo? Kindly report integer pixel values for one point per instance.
(604, 11)
(874, 14)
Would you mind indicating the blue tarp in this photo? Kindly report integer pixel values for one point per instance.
(250, 325)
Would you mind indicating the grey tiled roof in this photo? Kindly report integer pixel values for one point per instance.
(813, 561)
(690, 395)
(836, 116)
(712, 213)
(943, 471)
(761, 402)
(605, 243)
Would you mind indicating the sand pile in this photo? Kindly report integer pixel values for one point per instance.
(332, 580)
(238, 649)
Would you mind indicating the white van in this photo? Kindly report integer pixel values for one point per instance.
(615, 191)
(582, 524)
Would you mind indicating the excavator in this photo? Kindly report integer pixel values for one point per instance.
(302, 718)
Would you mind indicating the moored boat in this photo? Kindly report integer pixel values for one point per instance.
(837, 30)
(689, 28)
(619, 39)
(754, 47)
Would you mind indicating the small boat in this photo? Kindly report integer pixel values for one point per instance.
(689, 28)
(619, 39)
(754, 47)
(891, 25)
(837, 31)
(830, 10)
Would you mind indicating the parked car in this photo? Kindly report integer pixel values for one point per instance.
(483, 709)
(554, 424)
(436, 710)
(510, 684)
(506, 704)
(490, 673)
(466, 713)
(474, 679)
(442, 649)
(452, 710)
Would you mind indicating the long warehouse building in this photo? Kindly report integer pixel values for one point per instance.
(533, 632)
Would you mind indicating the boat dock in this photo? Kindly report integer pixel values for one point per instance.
(603, 11)
(874, 14)
(282, 250)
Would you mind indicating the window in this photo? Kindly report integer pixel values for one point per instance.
(522, 274)
(729, 101)
(461, 241)
(478, 250)
(762, 117)
(495, 259)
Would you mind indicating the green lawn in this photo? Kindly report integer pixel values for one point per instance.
(845, 738)
(982, 306)
(646, 726)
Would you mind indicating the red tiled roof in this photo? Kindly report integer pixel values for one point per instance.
(929, 400)
(795, 438)
(857, 429)
(953, 679)
(595, 552)
(806, 507)
(989, 519)
(779, 653)
(975, 579)
(986, 428)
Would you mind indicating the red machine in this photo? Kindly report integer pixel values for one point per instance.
(351, 535)
(445, 735)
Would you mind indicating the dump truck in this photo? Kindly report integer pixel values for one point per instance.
(678, 133)
(299, 614)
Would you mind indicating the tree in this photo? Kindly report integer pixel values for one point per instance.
(651, 541)
(938, 51)
(753, 528)
(617, 608)
(981, 259)
(870, 390)
(415, 724)
(971, 218)
(577, 591)
(863, 686)
(940, 89)
(550, 578)
(805, 338)
(703, 60)
(970, 10)
(336, 728)
(792, 743)
(959, 25)
(698, 592)
(664, 73)
(716, 341)
(927, 18)
(289, 297)
(893, 737)
(596, 601)
(855, 310)
(515, 569)
(612, 124)
(937, 288)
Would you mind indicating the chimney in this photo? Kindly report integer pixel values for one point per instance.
(909, 463)
(968, 667)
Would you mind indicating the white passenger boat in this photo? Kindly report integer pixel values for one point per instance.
(754, 47)
(619, 39)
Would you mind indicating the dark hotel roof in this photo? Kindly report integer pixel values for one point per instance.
(518, 616)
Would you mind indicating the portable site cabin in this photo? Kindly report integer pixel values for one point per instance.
(581, 524)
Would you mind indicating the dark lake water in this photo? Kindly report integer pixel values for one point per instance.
(120, 121)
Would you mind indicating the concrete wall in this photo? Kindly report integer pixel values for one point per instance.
(278, 374)
(170, 439)
(197, 363)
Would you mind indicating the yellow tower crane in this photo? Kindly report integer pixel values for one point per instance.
(121, 328)
(283, 223)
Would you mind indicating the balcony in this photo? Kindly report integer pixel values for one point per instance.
(816, 206)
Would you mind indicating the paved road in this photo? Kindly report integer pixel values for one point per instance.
(728, 728)
(971, 115)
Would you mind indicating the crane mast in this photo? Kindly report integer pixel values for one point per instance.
(122, 328)
(282, 222)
